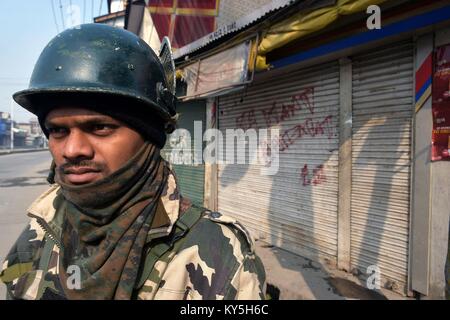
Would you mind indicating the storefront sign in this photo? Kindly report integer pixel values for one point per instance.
(440, 140)
(219, 72)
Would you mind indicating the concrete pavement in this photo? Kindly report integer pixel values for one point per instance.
(291, 277)
(22, 179)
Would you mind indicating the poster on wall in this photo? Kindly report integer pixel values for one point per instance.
(440, 141)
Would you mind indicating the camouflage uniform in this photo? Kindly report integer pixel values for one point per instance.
(214, 258)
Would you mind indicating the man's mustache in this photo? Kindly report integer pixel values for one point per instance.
(73, 165)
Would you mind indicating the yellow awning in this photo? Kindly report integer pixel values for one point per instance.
(304, 23)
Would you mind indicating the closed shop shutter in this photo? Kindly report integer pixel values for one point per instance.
(191, 178)
(295, 209)
(381, 149)
(191, 181)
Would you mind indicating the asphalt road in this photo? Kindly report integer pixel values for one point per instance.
(22, 179)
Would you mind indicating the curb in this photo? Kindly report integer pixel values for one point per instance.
(21, 151)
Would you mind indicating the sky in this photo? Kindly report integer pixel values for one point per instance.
(27, 28)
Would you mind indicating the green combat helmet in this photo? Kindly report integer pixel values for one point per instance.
(103, 65)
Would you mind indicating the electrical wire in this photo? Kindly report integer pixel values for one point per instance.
(71, 11)
(54, 17)
(62, 15)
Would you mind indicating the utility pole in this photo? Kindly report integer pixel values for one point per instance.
(12, 124)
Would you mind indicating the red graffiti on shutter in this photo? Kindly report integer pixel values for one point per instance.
(281, 112)
(309, 127)
(318, 175)
(247, 120)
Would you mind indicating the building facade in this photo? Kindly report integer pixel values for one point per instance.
(363, 176)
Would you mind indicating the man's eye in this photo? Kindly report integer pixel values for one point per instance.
(103, 128)
(57, 132)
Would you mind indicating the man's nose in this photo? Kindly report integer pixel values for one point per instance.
(77, 146)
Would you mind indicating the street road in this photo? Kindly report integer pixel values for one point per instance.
(22, 179)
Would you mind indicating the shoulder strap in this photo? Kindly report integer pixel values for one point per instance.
(172, 242)
(189, 218)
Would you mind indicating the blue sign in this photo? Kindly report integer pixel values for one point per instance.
(2, 127)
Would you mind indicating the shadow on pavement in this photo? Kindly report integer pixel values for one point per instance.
(23, 182)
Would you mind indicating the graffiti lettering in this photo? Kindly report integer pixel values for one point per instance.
(277, 114)
(318, 175)
(247, 120)
(271, 115)
(305, 98)
(304, 176)
(308, 128)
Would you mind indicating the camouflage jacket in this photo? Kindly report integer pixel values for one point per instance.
(200, 255)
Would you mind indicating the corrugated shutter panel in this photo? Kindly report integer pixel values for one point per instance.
(295, 209)
(191, 178)
(381, 149)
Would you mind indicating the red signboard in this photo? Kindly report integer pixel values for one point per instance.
(441, 105)
(183, 21)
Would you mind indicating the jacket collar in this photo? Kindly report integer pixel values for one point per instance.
(46, 207)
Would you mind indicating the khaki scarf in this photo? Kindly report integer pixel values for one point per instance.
(106, 227)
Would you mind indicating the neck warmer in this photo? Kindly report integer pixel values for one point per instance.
(106, 227)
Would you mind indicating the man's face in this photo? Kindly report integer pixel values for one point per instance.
(87, 146)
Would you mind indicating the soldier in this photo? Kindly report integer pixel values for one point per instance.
(113, 225)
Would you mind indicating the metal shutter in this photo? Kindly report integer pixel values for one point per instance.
(296, 209)
(381, 150)
(191, 178)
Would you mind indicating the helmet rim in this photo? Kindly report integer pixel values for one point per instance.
(26, 98)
